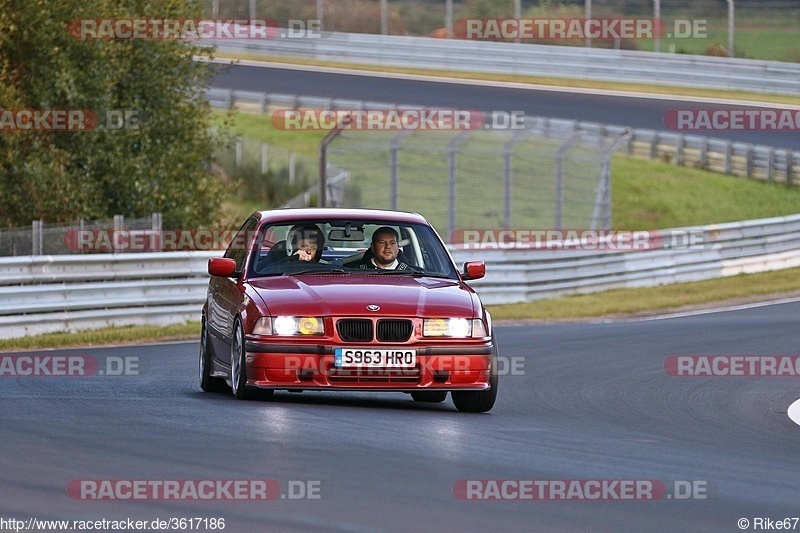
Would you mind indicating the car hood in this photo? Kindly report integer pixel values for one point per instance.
(350, 294)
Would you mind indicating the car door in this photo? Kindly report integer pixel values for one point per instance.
(226, 294)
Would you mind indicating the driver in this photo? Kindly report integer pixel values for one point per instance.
(306, 242)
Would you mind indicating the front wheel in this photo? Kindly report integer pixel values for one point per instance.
(478, 401)
(239, 369)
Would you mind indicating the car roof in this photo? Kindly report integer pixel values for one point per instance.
(289, 215)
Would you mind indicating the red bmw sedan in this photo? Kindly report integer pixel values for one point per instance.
(346, 299)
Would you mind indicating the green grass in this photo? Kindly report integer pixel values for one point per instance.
(105, 336)
(664, 297)
(258, 127)
(650, 194)
(757, 34)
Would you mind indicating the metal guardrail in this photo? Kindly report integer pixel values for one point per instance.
(532, 60)
(515, 276)
(729, 157)
(43, 294)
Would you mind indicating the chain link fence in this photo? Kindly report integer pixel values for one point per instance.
(487, 179)
(60, 239)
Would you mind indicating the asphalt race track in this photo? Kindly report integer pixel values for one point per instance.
(647, 113)
(593, 401)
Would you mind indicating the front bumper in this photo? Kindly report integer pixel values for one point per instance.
(311, 367)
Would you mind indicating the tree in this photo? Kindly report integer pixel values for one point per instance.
(163, 165)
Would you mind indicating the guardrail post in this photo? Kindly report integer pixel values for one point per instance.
(789, 166)
(229, 100)
(37, 240)
(654, 145)
(704, 152)
(679, 149)
(728, 156)
(749, 161)
(119, 222)
(263, 100)
(770, 164)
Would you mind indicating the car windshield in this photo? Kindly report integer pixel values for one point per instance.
(350, 247)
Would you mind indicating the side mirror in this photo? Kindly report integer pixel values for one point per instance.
(474, 270)
(221, 266)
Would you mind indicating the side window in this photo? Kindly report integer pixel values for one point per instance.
(241, 242)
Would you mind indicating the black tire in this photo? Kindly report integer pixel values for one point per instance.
(429, 396)
(239, 369)
(206, 364)
(478, 401)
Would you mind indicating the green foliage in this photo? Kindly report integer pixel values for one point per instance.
(163, 165)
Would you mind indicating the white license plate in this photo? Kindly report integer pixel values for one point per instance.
(372, 358)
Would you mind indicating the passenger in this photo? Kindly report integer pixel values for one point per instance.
(384, 251)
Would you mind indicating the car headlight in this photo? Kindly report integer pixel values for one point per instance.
(263, 326)
(458, 328)
(296, 325)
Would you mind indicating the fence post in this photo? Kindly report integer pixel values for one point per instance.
(264, 158)
(119, 222)
(292, 163)
(508, 149)
(156, 224)
(559, 199)
(262, 102)
(36, 237)
(238, 151)
(789, 167)
(394, 170)
(452, 147)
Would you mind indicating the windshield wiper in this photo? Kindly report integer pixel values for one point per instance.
(406, 272)
(318, 271)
